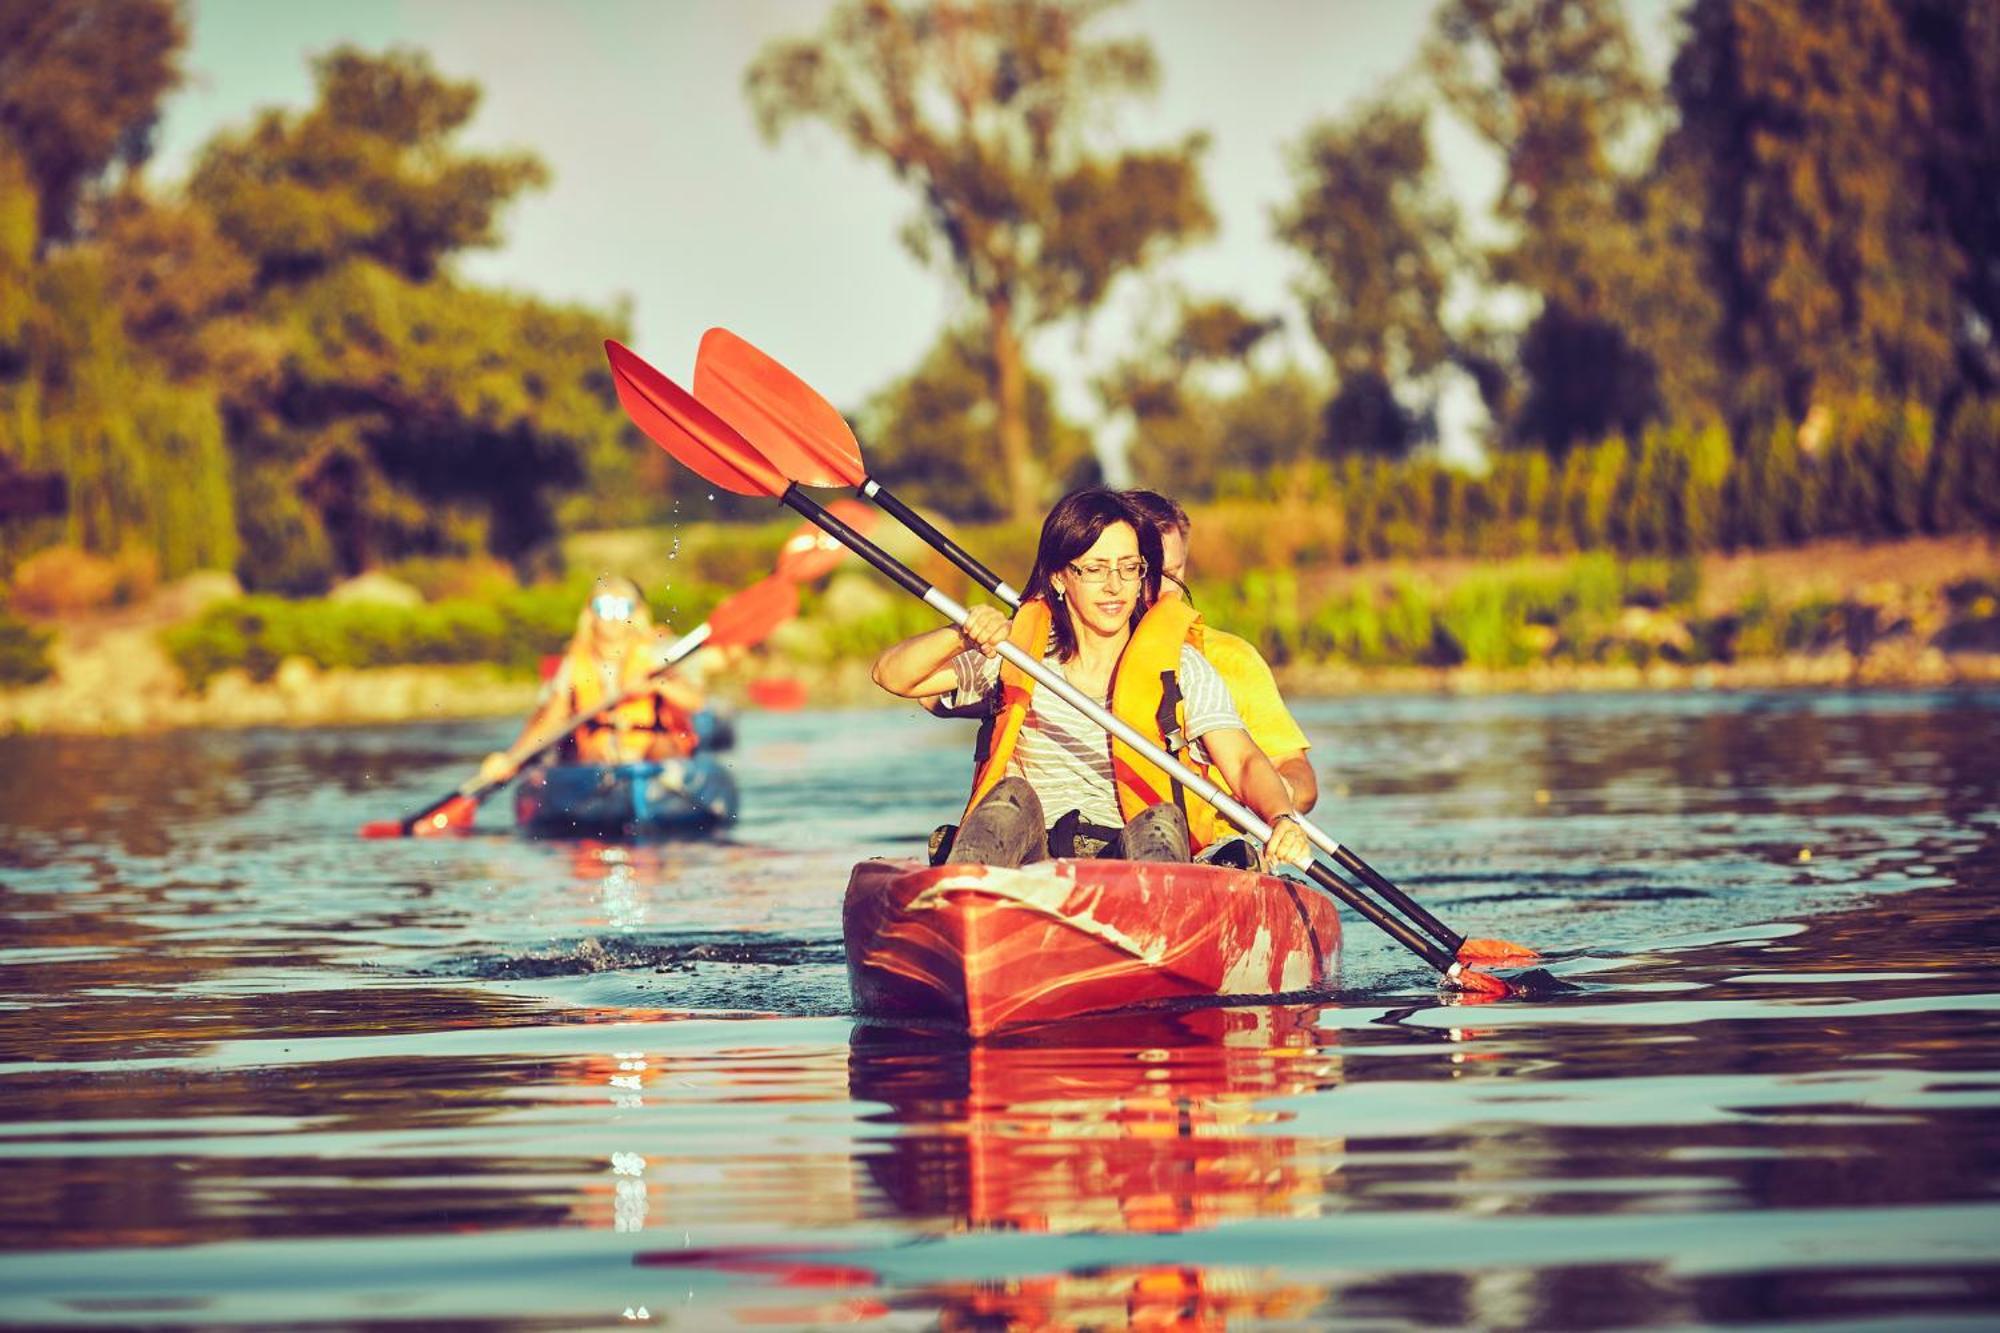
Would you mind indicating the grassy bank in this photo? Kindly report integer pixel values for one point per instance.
(1920, 611)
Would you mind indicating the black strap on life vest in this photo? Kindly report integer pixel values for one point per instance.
(1171, 737)
(987, 710)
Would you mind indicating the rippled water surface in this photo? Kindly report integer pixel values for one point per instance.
(256, 1071)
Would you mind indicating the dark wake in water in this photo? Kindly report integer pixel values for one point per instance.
(594, 954)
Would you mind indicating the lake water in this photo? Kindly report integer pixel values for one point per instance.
(255, 1071)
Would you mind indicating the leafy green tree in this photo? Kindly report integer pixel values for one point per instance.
(1834, 272)
(404, 412)
(1957, 46)
(80, 89)
(1379, 238)
(144, 459)
(992, 112)
(369, 173)
(1197, 407)
(930, 433)
(1229, 433)
(1556, 88)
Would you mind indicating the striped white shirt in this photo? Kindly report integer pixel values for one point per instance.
(1065, 756)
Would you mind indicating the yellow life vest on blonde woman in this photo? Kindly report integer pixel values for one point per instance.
(1144, 694)
(630, 732)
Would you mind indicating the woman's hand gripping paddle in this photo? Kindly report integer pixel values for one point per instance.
(739, 620)
(799, 432)
(714, 450)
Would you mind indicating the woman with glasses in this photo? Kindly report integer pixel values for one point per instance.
(1091, 610)
(616, 651)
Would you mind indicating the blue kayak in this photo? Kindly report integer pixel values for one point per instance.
(715, 731)
(663, 799)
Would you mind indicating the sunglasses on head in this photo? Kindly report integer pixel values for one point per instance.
(612, 606)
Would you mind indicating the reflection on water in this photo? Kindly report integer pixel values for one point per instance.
(255, 1071)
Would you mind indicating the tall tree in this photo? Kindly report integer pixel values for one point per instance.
(144, 458)
(1557, 90)
(1198, 407)
(80, 89)
(1958, 46)
(1380, 238)
(992, 111)
(1834, 275)
(370, 172)
(404, 412)
(930, 431)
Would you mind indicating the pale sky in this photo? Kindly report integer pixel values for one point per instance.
(664, 194)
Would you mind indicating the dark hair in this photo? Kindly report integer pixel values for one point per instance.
(1160, 511)
(1072, 528)
(1164, 512)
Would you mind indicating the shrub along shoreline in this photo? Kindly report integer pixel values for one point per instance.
(1916, 612)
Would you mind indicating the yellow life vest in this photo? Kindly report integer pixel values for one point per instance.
(1145, 694)
(629, 732)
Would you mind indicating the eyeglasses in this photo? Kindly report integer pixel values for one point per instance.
(1100, 571)
(612, 606)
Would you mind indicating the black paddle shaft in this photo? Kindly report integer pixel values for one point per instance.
(913, 583)
(968, 563)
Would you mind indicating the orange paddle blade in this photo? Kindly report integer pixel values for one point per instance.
(702, 441)
(811, 553)
(744, 618)
(799, 431)
(1495, 951)
(1475, 983)
(383, 828)
(454, 816)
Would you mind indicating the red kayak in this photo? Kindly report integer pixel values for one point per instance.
(980, 948)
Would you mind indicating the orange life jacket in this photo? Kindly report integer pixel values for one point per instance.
(1145, 694)
(631, 731)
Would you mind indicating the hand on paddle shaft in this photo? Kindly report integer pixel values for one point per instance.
(742, 619)
(714, 450)
(986, 629)
(809, 442)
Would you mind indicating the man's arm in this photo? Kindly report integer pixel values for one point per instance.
(1297, 772)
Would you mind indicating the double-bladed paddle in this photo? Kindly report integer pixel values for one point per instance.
(716, 451)
(808, 438)
(791, 424)
(739, 620)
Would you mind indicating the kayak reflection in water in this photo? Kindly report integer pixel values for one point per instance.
(1092, 611)
(616, 650)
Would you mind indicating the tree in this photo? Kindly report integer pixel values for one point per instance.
(1380, 240)
(368, 173)
(143, 459)
(1807, 125)
(1556, 88)
(1201, 336)
(930, 432)
(1200, 409)
(991, 112)
(80, 88)
(403, 413)
(1958, 47)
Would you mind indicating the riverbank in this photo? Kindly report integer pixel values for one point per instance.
(1834, 615)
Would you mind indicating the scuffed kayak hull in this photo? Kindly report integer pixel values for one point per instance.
(981, 948)
(664, 799)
